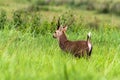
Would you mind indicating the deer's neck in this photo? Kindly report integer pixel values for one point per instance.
(62, 40)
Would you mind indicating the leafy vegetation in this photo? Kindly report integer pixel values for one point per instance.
(28, 50)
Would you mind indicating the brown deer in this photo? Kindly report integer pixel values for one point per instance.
(77, 48)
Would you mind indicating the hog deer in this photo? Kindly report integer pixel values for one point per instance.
(77, 48)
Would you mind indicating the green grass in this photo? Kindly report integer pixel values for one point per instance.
(23, 56)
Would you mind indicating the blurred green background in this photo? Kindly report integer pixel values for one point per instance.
(28, 51)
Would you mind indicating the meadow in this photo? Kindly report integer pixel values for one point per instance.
(28, 50)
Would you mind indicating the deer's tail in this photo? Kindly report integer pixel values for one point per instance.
(88, 36)
(89, 44)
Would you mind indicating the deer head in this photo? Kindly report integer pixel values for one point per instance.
(60, 30)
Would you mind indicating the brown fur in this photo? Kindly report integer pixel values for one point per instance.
(77, 48)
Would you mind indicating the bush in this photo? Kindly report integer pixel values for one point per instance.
(30, 22)
(103, 7)
(67, 18)
(35, 24)
(116, 8)
(35, 8)
(94, 24)
(53, 25)
(85, 4)
(3, 19)
(17, 19)
(41, 2)
(90, 6)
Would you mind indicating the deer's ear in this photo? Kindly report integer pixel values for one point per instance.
(64, 28)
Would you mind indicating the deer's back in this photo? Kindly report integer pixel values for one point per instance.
(76, 47)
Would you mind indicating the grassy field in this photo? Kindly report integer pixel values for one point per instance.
(25, 56)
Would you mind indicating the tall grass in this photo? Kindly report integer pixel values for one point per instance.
(23, 56)
(29, 52)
